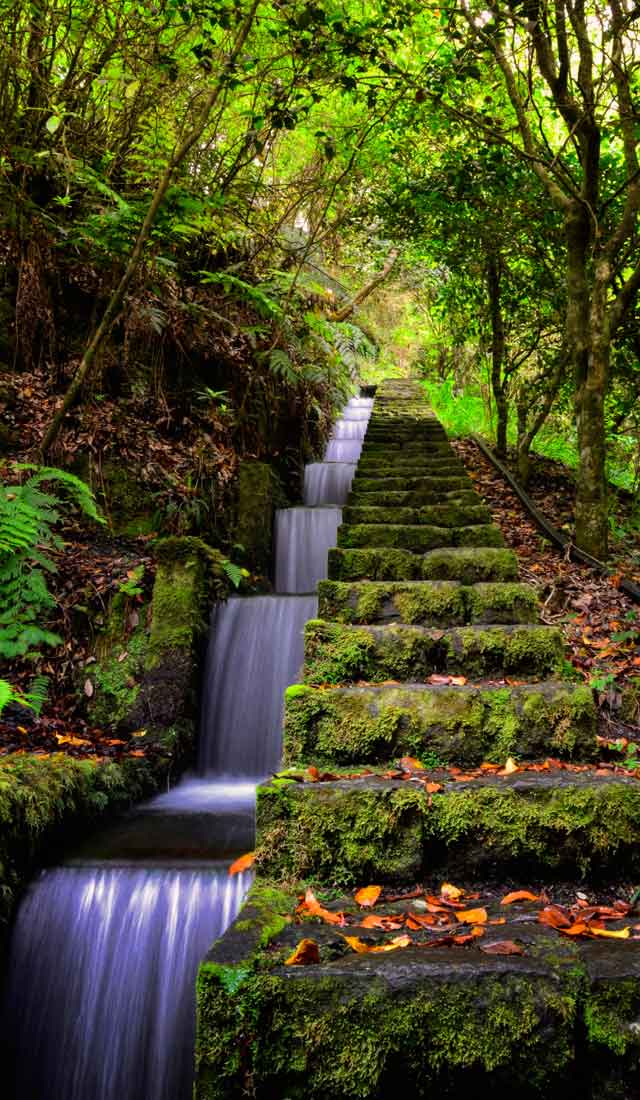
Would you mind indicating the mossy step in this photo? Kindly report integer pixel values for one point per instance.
(414, 499)
(427, 603)
(362, 484)
(532, 824)
(436, 1022)
(423, 468)
(439, 515)
(394, 450)
(464, 725)
(417, 537)
(339, 653)
(467, 564)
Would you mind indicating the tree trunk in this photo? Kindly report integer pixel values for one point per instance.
(346, 311)
(588, 345)
(497, 355)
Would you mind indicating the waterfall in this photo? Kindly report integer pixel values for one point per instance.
(100, 1001)
(102, 977)
(254, 653)
(328, 482)
(303, 538)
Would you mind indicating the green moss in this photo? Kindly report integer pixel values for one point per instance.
(418, 537)
(259, 494)
(470, 565)
(433, 604)
(347, 832)
(180, 597)
(405, 483)
(342, 835)
(501, 603)
(314, 1034)
(337, 653)
(462, 725)
(612, 1011)
(383, 564)
(129, 508)
(444, 515)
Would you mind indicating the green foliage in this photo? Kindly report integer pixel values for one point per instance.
(28, 516)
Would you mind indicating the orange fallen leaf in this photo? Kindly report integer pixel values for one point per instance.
(509, 768)
(472, 916)
(554, 917)
(409, 763)
(356, 944)
(137, 752)
(415, 921)
(385, 924)
(312, 906)
(499, 920)
(71, 740)
(519, 895)
(458, 680)
(450, 892)
(306, 953)
(242, 863)
(502, 947)
(368, 896)
(313, 774)
(433, 788)
(577, 929)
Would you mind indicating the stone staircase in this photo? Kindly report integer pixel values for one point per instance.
(421, 584)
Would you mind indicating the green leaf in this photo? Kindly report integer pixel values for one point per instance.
(52, 123)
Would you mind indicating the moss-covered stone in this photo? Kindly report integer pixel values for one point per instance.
(529, 824)
(432, 603)
(404, 484)
(470, 564)
(336, 653)
(358, 833)
(440, 515)
(417, 537)
(128, 505)
(415, 499)
(463, 725)
(358, 1027)
(259, 494)
(374, 564)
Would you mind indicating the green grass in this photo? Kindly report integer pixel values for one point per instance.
(467, 412)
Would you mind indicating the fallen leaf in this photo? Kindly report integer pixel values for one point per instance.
(502, 947)
(451, 893)
(242, 863)
(409, 763)
(519, 895)
(554, 917)
(385, 924)
(88, 688)
(472, 916)
(458, 680)
(71, 740)
(433, 788)
(312, 906)
(356, 944)
(621, 934)
(509, 768)
(367, 896)
(306, 953)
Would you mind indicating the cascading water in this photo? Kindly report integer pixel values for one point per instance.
(255, 652)
(100, 990)
(303, 538)
(327, 482)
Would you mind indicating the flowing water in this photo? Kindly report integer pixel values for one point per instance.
(99, 999)
(254, 653)
(328, 482)
(303, 538)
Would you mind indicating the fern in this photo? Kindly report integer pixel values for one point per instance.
(28, 515)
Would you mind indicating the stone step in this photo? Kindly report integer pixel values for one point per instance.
(430, 603)
(417, 537)
(559, 1020)
(441, 467)
(463, 725)
(397, 450)
(414, 499)
(439, 515)
(467, 564)
(340, 653)
(361, 484)
(376, 830)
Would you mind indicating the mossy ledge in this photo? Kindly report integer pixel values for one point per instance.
(438, 603)
(337, 653)
(351, 831)
(464, 725)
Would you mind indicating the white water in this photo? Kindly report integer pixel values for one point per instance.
(100, 994)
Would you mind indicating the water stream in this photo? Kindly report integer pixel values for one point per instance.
(99, 1001)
